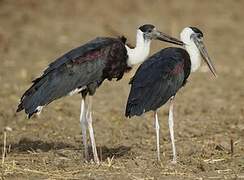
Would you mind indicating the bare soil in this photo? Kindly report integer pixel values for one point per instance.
(209, 113)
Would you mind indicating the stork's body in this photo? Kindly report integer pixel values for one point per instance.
(80, 70)
(157, 80)
(161, 76)
(83, 69)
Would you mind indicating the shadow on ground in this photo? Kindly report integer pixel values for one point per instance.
(25, 145)
(105, 152)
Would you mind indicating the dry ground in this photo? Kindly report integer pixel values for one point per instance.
(209, 112)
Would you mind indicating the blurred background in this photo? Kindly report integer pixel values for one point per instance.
(209, 113)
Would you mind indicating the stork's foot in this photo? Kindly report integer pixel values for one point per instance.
(97, 161)
(93, 161)
(158, 157)
(89, 159)
(95, 156)
(174, 161)
(86, 156)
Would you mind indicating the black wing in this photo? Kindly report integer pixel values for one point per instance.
(83, 67)
(157, 79)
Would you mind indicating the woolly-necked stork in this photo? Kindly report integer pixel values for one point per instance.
(83, 69)
(159, 78)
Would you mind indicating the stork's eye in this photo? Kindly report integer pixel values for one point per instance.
(199, 35)
(149, 31)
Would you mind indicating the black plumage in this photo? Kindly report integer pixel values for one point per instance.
(157, 80)
(84, 68)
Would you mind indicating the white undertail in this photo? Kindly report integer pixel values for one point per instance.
(140, 52)
(191, 48)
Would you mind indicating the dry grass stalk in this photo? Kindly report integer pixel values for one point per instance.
(4, 152)
(231, 147)
(211, 161)
(110, 161)
(4, 146)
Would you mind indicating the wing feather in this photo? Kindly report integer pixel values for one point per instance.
(156, 80)
(78, 68)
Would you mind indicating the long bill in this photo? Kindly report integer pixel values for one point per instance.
(200, 45)
(164, 37)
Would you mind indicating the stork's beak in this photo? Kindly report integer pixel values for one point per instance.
(164, 37)
(200, 45)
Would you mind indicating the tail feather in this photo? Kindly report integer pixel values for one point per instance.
(20, 107)
(133, 110)
(30, 99)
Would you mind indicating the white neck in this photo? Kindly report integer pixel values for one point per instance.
(140, 52)
(191, 48)
(194, 56)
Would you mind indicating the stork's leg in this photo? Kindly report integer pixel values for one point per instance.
(157, 127)
(83, 123)
(90, 128)
(171, 128)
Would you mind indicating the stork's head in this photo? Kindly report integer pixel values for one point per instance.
(192, 38)
(145, 34)
(149, 32)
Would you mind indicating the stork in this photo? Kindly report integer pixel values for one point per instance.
(83, 69)
(160, 77)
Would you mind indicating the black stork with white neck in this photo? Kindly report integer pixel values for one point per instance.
(83, 69)
(160, 77)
